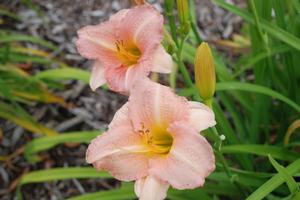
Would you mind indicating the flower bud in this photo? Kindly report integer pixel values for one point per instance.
(205, 73)
(183, 14)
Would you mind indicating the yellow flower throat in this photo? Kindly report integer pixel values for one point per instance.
(158, 140)
(128, 54)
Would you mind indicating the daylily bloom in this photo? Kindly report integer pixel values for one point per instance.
(125, 48)
(154, 139)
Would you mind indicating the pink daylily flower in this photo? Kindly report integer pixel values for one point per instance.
(154, 139)
(125, 48)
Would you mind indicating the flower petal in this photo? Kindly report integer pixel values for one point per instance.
(119, 152)
(151, 103)
(143, 25)
(99, 41)
(122, 79)
(189, 162)
(201, 116)
(97, 76)
(162, 62)
(121, 117)
(150, 188)
(117, 17)
(124, 166)
(96, 42)
(115, 78)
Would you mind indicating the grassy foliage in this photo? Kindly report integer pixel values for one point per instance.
(253, 114)
(21, 87)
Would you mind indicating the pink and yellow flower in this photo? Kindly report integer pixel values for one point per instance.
(125, 48)
(154, 139)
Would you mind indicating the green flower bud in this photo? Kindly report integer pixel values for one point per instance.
(183, 14)
(205, 73)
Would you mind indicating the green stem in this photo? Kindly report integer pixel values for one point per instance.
(169, 4)
(194, 22)
(221, 157)
(196, 33)
(186, 77)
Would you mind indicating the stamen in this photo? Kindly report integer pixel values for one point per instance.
(128, 55)
(158, 140)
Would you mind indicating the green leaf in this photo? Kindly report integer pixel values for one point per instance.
(296, 196)
(293, 186)
(274, 182)
(9, 14)
(125, 193)
(271, 29)
(8, 37)
(252, 60)
(45, 143)
(20, 117)
(251, 179)
(195, 194)
(223, 86)
(224, 124)
(59, 174)
(29, 55)
(262, 150)
(23, 86)
(247, 87)
(64, 74)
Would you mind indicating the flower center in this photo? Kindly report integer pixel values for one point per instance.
(128, 54)
(157, 139)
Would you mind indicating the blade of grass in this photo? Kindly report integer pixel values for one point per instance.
(222, 86)
(262, 150)
(21, 54)
(45, 143)
(40, 176)
(231, 137)
(260, 43)
(64, 74)
(21, 38)
(124, 193)
(252, 60)
(9, 14)
(292, 185)
(190, 194)
(273, 30)
(18, 117)
(23, 86)
(274, 182)
(246, 180)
